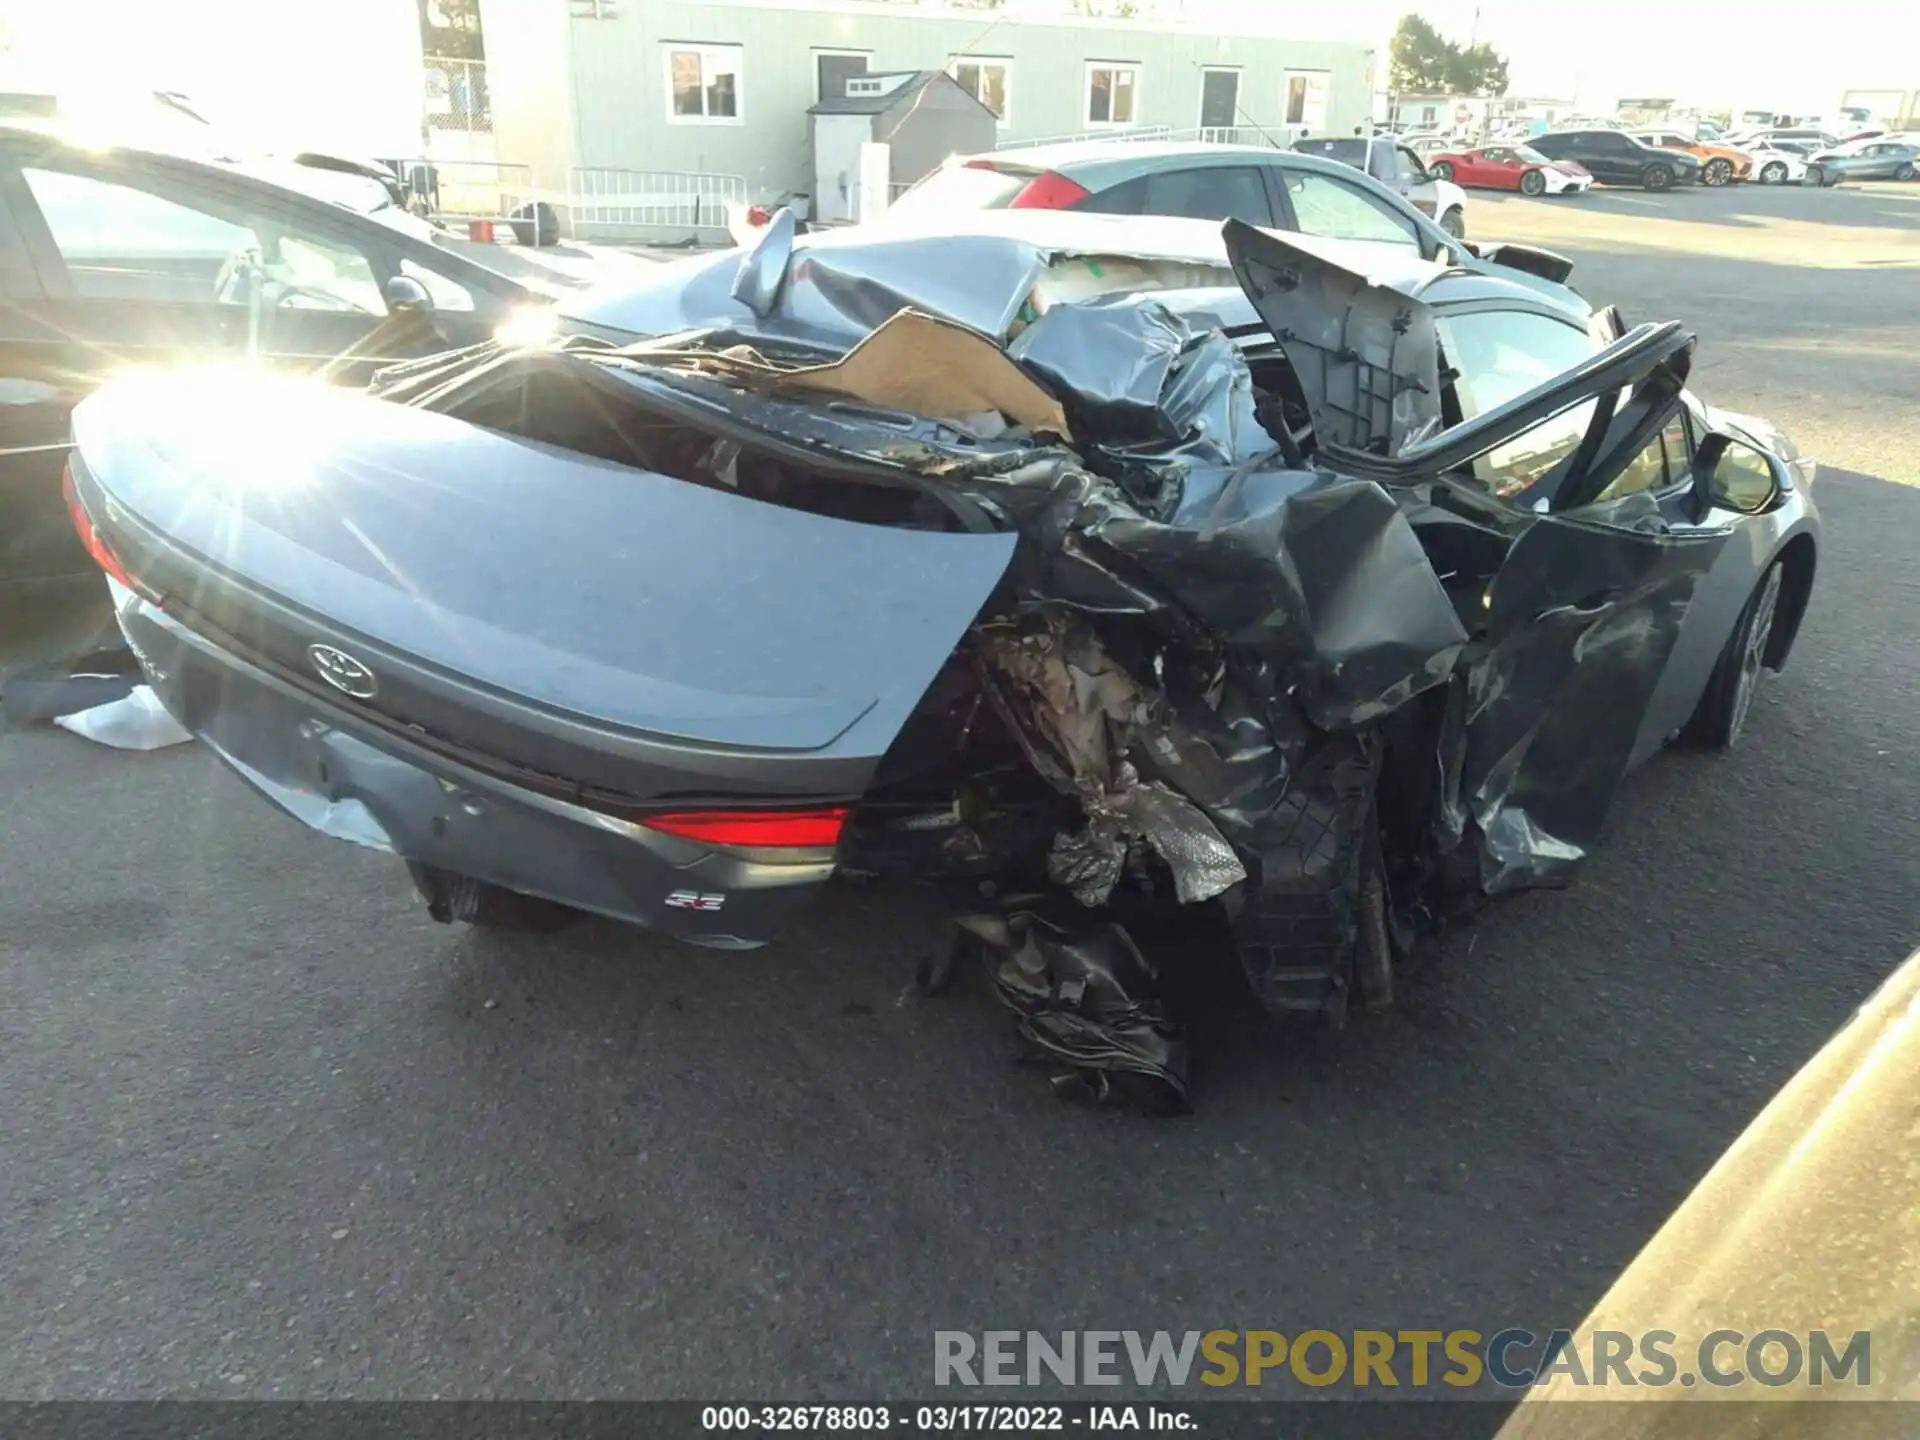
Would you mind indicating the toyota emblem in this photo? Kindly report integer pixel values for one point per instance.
(342, 671)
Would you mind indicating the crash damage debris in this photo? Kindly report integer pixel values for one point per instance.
(1276, 658)
(1085, 1002)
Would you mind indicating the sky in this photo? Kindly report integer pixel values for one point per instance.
(1731, 54)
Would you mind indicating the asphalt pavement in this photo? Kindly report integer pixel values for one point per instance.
(270, 1132)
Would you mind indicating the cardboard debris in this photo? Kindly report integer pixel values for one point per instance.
(924, 365)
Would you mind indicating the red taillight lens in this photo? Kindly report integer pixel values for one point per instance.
(758, 215)
(102, 555)
(766, 829)
(1048, 191)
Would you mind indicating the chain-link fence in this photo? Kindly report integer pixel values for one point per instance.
(456, 95)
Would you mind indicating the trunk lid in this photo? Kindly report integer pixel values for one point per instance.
(492, 575)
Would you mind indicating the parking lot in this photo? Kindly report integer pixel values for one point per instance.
(272, 1132)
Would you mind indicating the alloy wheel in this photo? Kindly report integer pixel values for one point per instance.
(1532, 183)
(1753, 651)
(1718, 172)
(1657, 177)
(1774, 174)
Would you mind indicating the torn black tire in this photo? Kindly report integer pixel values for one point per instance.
(462, 898)
(1299, 924)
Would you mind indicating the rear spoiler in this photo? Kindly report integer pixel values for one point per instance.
(1528, 259)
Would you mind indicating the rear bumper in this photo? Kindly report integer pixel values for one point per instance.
(365, 786)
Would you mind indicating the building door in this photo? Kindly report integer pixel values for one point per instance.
(832, 69)
(1305, 99)
(1219, 99)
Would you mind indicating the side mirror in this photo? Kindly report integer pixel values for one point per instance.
(405, 295)
(1730, 474)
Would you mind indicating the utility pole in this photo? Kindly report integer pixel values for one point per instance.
(1473, 31)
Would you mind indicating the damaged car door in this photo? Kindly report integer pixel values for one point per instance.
(1607, 544)
(1535, 472)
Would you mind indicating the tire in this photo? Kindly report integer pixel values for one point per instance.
(1718, 172)
(1728, 698)
(1533, 183)
(1657, 177)
(1816, 177)
(452, 897)
(1373, 949)
(1454, 223)
(1903, 172)
(1441, 170)
(1774, 173)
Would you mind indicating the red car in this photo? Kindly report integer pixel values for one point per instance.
(1510, 167)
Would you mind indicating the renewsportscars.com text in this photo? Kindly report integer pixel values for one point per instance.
(1513, 1359)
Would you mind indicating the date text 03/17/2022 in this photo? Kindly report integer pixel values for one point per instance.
(948, 1419)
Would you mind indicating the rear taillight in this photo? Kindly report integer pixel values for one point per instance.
(758, 215)
(762, 829)
(1048, 191)
(98, 548)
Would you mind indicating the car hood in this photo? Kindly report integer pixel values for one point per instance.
(988, 270)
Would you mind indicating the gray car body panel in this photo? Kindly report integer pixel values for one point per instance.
(634, 602)
(352, 781)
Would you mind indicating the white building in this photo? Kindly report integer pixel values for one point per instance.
(722, 87)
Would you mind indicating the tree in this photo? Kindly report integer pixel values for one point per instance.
(1425, 62)
(1421, 57)
(1478, 70)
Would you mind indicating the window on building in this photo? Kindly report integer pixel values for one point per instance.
(989, 79)
(1304, 93)
(1113, 94)
(832, 69)
(703, 84)
(1219, 99)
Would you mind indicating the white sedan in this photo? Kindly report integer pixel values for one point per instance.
(1775, 166)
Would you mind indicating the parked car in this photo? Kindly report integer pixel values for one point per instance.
(1398, 167)
(1616, 158)
(1068, 575)
(1425, 144)
(1254, 183)
(1797, 134)
(1719, 163)
(1871, 160)
(1511, 167)
(113, 256)
(1777, 164)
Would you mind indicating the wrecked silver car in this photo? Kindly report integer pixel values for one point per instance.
(1104, 568)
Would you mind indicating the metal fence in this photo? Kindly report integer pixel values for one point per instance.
(1278, 137)
(464, 190)
(1109, 137)
(607, 203)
